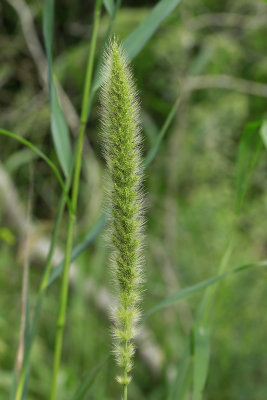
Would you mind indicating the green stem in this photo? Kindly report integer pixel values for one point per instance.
(76, 180)
(125, 391)
(90, 65)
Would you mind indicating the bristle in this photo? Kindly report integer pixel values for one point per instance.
(121, 143)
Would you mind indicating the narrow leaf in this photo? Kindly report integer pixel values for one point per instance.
(37, 151)
(136, 41)
(263, 132)
(201, 359)
(200, 331)
(248, 153)
(189, 291)
(110, 7)
(88, 381)
(179, 386)
(59, 127)
(155, 148)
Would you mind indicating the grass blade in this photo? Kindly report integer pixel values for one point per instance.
(155, 148)
(189, 291)
(179, 386)
(201, 359)
(59, 127)
(88, 381)
(138, 38)
(263, 133)
(201, 330)
(248, 154)
(37, 151)
(110, 7)
(136, 41)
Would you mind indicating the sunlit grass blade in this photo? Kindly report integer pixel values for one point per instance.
(59, 127)
(139, 37)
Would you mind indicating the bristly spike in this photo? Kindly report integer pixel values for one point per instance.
(121, 141)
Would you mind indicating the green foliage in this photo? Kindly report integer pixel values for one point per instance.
(201, 153)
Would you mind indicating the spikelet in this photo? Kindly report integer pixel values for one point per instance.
(121, 141)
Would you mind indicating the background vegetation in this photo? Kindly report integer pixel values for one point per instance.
(212, 53)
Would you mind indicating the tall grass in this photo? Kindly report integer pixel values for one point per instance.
(121, 138)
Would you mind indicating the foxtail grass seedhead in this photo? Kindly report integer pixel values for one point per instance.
(121, 141)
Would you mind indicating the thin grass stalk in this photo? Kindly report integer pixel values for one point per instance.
(76, 180)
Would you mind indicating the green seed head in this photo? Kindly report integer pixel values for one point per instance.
(121, 140)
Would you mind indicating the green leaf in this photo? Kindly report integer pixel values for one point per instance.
(35, 149)
(263, 132)
(135, 42)
(155, 148)
(110, 7)
(88, 381)
(18, 159)
(248, 153)
(201, 337)
(189, 291)
(200, 331)
(179, 386)
(59, 127)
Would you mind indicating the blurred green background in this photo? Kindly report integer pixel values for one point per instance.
(190, 195)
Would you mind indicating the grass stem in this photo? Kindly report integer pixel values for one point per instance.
(72, 216)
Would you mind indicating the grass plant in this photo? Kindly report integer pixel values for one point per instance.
(121, 140)
(123, 218)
